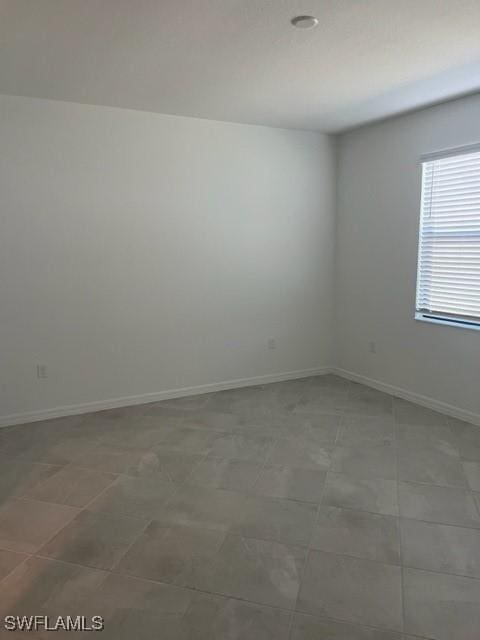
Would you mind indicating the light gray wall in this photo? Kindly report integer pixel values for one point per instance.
(142, 252)
(379, 181)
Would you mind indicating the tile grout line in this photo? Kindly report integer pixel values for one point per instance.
(309, 549)
(195, 590)
(84, 509)
(260, 539)
(17, 566)
(25, 497)
(227, 596)
(272, 498)
(399, 527)
(31, 554)
(79, 511)
(142, 532)
(178, 487)
(266, 459)
(319, 505)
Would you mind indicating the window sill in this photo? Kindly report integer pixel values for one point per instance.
(450, 323)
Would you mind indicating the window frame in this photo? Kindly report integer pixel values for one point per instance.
(440, 319)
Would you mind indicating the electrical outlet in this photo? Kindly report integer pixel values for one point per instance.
(272, 343)
(42, 371)
(372, 347)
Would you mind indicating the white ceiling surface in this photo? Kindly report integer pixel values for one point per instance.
(241, 60)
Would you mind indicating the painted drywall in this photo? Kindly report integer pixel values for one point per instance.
(141, 253)
(241, 60)
(378, 197)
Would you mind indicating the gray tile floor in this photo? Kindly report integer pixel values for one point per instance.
(304, 510)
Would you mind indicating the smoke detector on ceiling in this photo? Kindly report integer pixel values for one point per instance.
(304, 22)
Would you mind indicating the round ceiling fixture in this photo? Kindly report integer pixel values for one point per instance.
(304, 22)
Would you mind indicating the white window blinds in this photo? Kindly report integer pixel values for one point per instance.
(448, 281)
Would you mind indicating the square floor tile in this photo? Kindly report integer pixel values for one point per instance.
(439, 547)
(169, 466)
(409, 413)
(214, 421)
(461, 426)
(138, 497)
(444, 505)
(94, 540)
(142, 609)
(466, 439)
(301, 453)
(433, 462)
(189, 402)
(440, 606)
(365, 494)
(472, 473)
(221, 473)
(9, 560)
(366, 460)
(151, 429)
(289, 482)
(204, 613)
(189, 440)
(366, 401)
(327, 381)
(438, 436)
(241, 447)
(476, 497)
(318, 428)
(285, 395)
(356, 430)
(162, 410)
(245, 401)
(354, 590)
(261, 571)
(27, 524)
(469, 449)
(171, 554)
(18, 478)
(222, 495)
(244, 621)
(274, 519)
(207, 617)
(109, 459)
(45, 587)
(357, 533)
(182, 614)
(204, 507)
(119, 592)
(72, 486)
(56, 450)
(323, 394)
(141, 432)
(306, 627)
(114, 415)
(322, 400)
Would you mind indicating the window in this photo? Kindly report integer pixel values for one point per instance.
(448, 279)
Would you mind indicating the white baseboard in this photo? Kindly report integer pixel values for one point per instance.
(424, 401)
(114, 403)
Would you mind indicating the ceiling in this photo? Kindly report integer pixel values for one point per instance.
(241, 60)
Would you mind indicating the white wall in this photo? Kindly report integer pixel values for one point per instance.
(378, 192)
(141, 253)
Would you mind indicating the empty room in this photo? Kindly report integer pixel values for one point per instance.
(240, 319)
